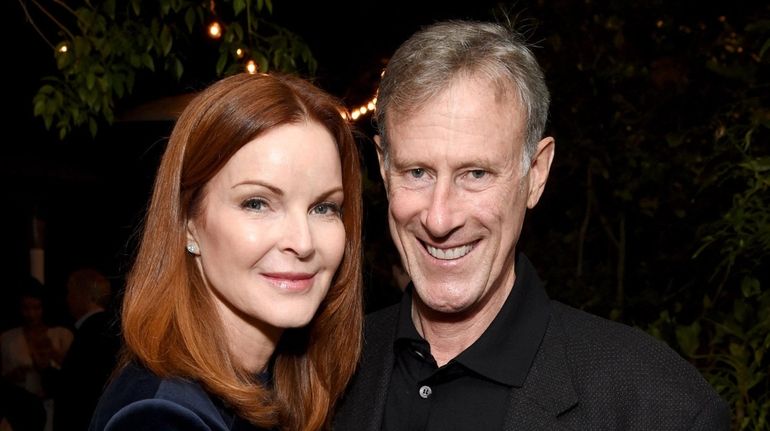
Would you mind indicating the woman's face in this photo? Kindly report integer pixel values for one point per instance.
(269, 230)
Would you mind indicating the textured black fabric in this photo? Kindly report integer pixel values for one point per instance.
(589, 374)
(85, 371)
(139, 400)
(470, 391)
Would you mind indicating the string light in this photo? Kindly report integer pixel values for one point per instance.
(251, 67)
(215, 30)
(63, 48)
(364, 109)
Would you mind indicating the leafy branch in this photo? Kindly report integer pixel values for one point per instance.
(104, 48)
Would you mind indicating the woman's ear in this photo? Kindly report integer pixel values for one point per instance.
(192, 239)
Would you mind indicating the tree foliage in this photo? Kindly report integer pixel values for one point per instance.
(105, 47)
(657, 213)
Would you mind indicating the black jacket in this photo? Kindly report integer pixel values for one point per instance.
(589, 374)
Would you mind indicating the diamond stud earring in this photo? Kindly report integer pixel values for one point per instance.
(192, 248)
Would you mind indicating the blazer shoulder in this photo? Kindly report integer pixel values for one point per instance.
(139, 399)
(615, 364)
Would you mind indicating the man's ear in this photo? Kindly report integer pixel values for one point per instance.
(381, 160)
(539, 169)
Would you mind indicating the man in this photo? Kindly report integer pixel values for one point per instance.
(92, 356)
(475, 343)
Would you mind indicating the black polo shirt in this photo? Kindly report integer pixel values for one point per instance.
(471, 391)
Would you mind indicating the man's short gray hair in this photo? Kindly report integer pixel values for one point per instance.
(428, 62)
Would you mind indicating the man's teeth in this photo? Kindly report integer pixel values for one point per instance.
(449, 253)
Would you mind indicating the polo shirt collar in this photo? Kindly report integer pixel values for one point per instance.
(507, 348)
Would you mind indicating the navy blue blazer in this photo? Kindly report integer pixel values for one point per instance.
(139, 400)
(588, 374)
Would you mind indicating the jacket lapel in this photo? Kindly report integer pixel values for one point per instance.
(363, 406)
(548, 391)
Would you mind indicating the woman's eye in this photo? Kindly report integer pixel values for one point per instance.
(417, 172)
(254, 204)
(478, 173)
(326, 208)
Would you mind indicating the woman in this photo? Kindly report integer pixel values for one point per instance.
(33, 352)
(34, 349)
(243, 308)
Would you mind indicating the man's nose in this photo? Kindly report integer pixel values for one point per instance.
(443, 214)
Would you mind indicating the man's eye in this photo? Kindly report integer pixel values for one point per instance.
(254, 204)
(417, 172)
(326, 208)
(478, 173)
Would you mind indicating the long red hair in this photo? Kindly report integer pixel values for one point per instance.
(169, 321)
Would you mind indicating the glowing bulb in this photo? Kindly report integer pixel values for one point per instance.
(251, 67)
(362, 110)
(63, 48)
(215, 30)
(374, 100)
(355, 115)
(370, 106)
(239, 52)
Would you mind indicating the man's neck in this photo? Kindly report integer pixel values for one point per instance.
(450, 334)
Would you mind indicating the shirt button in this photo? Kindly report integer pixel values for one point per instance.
(425, 391)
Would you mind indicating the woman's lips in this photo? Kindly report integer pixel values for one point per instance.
(290, 281)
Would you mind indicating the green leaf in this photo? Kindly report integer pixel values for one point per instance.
(750, 287)
(269, 4)
(262, 62)
(147, 61)
(260, 5)
(109, 8)
(189, 19)
(39, 107)
(166, 40)
(92, 127)
(178, 69)
(46, 89)
(137, 6)
(238, 6)
(688, 338)
(238, 30)
(221, 63)
(764, 49)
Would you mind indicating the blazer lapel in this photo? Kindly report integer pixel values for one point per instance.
(548, 391)
(363, 406)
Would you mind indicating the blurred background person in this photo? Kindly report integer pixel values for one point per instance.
(32, 353)
(93, 354)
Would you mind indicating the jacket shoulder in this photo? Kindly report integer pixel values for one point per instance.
(616, 365)
(139, 399)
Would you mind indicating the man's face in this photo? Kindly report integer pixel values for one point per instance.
(457, 195)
